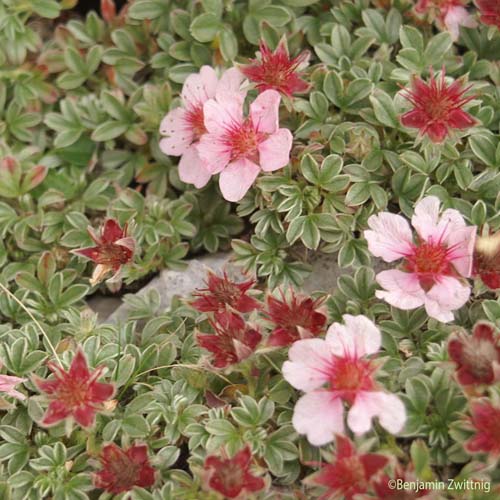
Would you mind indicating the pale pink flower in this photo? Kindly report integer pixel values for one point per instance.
(434, 262)
(337, 370)
(7, 384)
(183, 126)
(455, 17)
(238, 146)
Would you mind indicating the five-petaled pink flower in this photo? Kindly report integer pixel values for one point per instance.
(122, 469)
(231, 477)
(277, 70)
(7, 386)
(237, 146)
(350, 474)
(477, 356)
(485, 421)
(233, 340)
(434, 263)
(113, 250)
(337, 370)
(437, 107)
(294, 319)
(75, 393)
(222, 293)
(184, 125)
(490, 12)
(450, 14)
(487, 260)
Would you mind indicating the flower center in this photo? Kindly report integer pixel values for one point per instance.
(243, 140)
(348, 376)
(429, 260)
(124, 470)
(196, 121)
(231, 477)
(73, 393)
(352, 475)
(479, 357)
(227, 292)
(113, 255)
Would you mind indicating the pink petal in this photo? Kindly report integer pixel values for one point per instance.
(455, 17)
(309, 365)
(99, 392)
(230, 82)
(47, 386)
(192, 169)
(437, 132)
(462, 242)
(426, 217)
(213, 153)
(415, 119)
(111, 231)
(199, 87)
(274, 152)
(56, 412)
(319, 415)
(237, 178)
(387, 407)
(180, 136)
(357, 338)
(401, 289)
(84, 415)
(444, 297)
(79, 368)
(138, 454)
(460, 119)
(264, 111)
(224, 113)
(389, 236)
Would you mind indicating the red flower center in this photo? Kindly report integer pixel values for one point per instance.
(196, 121)
(125, 471)
(348, 376)
(113, 255)
(242, 140)
(227, 292)
(429, 260)
(73, 393)
(229, 479)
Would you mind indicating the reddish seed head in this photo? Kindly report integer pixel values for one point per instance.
(277, 71)
(437, 108)
(122, 469)
(477, 356)
(231, 477)
(294, 319)
(486, 422)
(232, 341)
(75, 393)
(222, 293)
(350, 474)
(490, 12)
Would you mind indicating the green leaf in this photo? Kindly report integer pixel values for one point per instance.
(109, 130)
(384, 109)
(484, 146)
(148, 9)
(205, 27)
(437, 48)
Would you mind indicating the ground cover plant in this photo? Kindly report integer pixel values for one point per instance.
(135, 136)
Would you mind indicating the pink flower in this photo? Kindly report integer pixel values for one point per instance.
(351, 474)
(294, 319)
(222, 293)
(74, 393)
(277, 70)
(185, 125)
(437, 108)
(239, 147)
(433, 264)
(486, 423)
(122, 469)
(487, 260)
(7, 384)
(113, 250)
(450, 14)
(490, 12)
(231, 477)
(477, 356)
(233, 340)
(337, 370)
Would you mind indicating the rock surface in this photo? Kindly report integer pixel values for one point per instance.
(325, 272)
